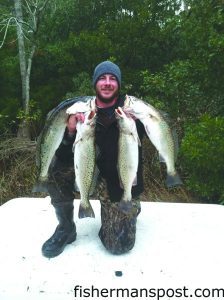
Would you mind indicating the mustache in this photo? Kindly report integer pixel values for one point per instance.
(107, 100)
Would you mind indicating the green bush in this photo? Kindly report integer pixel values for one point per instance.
(82, 85)
(8, 114)
(178, 90)
(202, 157)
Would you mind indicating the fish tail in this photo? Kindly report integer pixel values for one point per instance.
(127, 196)
(173, 180)
(161, 158)
(86, 212)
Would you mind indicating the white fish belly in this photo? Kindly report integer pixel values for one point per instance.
(161, 137)
(84, 163)
(49, 146)
(127, 163)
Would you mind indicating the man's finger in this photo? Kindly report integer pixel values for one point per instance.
(80, 117)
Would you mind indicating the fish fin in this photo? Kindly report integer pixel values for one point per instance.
(86, 212)
(173, 180)
(139, 142)
(125, 206)
(135, 181)
(161, 158)
(79, 139)
(136, 138)
(76, 187)
(120, 181)
(147, 130)
(121, 184)
(165, 116)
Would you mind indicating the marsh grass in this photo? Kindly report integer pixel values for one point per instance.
(18, 173)
(17, 165)
(154, 174)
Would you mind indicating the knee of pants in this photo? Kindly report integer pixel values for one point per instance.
(118, 230)
(61, 182)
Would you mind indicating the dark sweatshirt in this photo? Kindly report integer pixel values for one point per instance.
(107, 135)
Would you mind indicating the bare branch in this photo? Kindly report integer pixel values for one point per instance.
(44, 5)
(22, 32)
(27, 7)
(26, 24)
(6, 27)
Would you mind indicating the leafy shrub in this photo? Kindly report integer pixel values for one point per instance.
(8, 113)
(178, 90)
(82, 85)
(202, 157)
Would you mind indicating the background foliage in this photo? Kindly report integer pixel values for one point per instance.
(169, 56)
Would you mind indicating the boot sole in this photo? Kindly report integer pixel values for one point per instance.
(71, 238)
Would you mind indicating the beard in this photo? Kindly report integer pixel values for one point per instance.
(107, 100)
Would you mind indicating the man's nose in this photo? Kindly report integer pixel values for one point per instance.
(107, 80)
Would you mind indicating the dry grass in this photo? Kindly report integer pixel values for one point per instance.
(17, 165)
(154, 179)
(18, 173)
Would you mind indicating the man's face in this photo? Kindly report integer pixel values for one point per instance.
(107, 88)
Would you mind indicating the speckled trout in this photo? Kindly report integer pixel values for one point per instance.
(127, 156)
(85, 162)
(159, 133)
(52, 135)
(48, 142)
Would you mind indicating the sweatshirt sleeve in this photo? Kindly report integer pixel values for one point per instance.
(64, 151)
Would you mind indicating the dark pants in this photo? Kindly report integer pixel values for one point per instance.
(61, 182)
(118, 229)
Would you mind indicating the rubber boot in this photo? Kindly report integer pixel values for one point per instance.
(64, 234)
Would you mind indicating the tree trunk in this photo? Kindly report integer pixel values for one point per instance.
(23, 130)
(185, 6)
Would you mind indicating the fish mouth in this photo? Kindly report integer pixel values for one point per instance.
(91, 118)
(119, 113)
(118, 110)
(91, 115)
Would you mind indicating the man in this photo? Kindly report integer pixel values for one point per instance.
(118, 229)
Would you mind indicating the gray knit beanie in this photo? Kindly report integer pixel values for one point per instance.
(106, 67)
